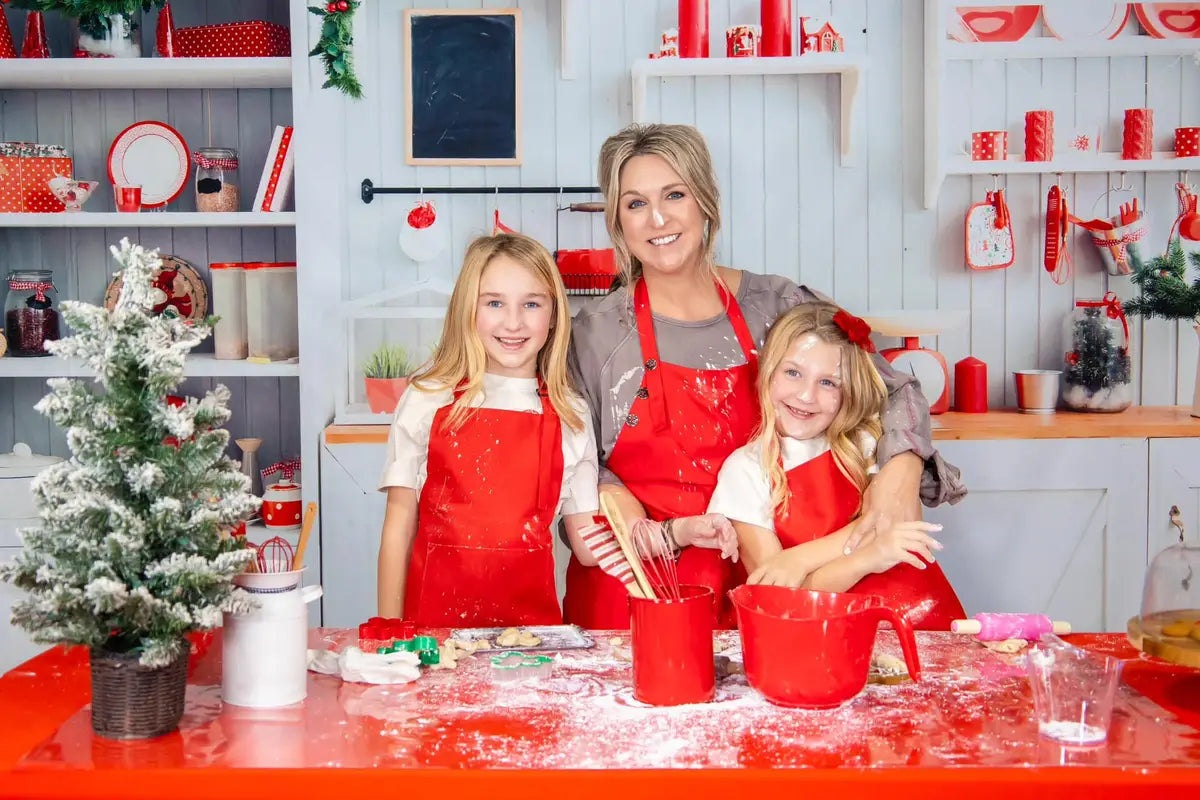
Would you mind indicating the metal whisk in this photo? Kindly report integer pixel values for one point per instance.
(656, 550)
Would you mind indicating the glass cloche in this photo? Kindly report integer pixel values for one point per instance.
(1169, 624)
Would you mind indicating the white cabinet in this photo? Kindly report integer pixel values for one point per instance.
(1052, 526)
(1174, 481)
(351, 519)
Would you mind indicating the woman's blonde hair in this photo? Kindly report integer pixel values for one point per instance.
(863, 396)
(460, 358)
(683, 148)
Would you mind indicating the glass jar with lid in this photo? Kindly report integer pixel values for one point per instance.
(216, 179)
(30, 312)
(1097, 375)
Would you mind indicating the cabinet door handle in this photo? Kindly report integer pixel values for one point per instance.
(1177, 521)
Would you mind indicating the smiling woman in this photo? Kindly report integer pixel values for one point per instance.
(667, 363)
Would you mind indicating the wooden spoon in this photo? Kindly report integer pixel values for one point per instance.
(310, 514)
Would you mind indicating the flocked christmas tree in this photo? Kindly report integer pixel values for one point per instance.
(133, 551)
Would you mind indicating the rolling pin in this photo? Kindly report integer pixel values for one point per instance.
(998, 627)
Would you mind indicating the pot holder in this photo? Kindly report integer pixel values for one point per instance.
(989, 234)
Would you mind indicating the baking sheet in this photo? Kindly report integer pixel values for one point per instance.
(554, 637)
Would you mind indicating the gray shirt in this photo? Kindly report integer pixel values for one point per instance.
(606, 366)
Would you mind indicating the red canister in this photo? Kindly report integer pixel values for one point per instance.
(672, 648)
(776, 19)
(1039, 135)
(693, 28)
(970, 386)
(1138, 134)
(1187, 142)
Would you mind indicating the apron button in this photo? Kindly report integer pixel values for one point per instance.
(651, 363)
(643, 393)
(631, 420)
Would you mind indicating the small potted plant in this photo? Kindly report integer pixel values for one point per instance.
(386, 377)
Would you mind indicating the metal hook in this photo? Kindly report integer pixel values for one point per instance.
(1122, 187)
(1058, 179)
(995, 181)
(420, 191)
(1176, 520)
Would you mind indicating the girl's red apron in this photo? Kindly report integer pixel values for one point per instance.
(825, 500)
(484, 552)
(682, 426)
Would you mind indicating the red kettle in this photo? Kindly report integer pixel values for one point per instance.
(810, 649)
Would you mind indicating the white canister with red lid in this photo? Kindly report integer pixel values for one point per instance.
(281, 505)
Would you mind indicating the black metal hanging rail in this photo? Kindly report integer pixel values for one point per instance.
(369, 190)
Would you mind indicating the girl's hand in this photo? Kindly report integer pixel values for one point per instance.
(785, 569)
(907, 542)
(713, 531)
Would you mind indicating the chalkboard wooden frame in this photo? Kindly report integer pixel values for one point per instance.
(483, 159)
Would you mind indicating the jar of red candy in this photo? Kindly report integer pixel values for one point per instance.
(30, 312)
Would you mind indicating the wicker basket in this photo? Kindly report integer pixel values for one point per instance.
(130, 701)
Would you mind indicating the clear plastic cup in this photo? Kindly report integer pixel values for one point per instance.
(1073, 691)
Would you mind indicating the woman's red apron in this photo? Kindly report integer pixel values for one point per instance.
(682, 426)
(484, 551)
(824, 501)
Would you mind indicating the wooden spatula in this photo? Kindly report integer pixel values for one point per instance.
(310, 515)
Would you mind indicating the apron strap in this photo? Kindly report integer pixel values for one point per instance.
(546, 444)
(652, 378)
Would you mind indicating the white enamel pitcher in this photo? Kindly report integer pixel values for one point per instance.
(264, 652)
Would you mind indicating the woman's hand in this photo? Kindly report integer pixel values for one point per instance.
(713, 531)
(907, 542)
(787, 568)
(893, 496)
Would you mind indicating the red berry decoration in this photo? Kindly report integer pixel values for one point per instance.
(422, 216)
(1072, 358)
(343, 5)
(331, 7)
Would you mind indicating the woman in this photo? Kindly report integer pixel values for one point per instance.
(667, 364)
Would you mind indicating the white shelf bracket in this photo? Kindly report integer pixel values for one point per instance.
(851, 82)
(568, 11)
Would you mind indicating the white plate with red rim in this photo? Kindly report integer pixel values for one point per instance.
(1084, 19)
(152, 155)
(1170, 20)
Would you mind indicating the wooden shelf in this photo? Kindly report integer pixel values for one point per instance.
(1072, 162)
(146, 73)
(199, 365)
(1049, 47)
(151, 219)
(849, 67)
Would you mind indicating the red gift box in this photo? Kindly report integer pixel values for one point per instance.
(1187, 142)
(1138, 134)
(25, 172)
(231, 40)
(1039, 135)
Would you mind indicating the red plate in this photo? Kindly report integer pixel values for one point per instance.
(992, 23)
(152, 155)
(1169, 20)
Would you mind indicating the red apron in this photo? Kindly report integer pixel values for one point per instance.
(829, 502)
(682, 426)
(484, 552)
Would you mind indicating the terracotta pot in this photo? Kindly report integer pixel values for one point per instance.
(384, 393)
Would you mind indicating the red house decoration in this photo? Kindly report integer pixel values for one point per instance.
(824, 40)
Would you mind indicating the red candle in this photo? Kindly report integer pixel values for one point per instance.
(693, 28)
(1039, 135)
(970, 386)
(776, 19)
(1138, 139)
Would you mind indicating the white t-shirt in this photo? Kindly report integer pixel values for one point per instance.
(408, 440)
(743, 492)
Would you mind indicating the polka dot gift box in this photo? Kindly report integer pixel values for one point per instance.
(25, 172)
(232, 40)
(281, 499)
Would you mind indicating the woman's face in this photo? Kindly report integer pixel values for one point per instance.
(661, 220)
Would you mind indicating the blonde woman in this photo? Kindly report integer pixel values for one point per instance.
(474, 479)
(667, 362)
(793, 492)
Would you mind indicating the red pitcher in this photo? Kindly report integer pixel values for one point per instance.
(809, 649)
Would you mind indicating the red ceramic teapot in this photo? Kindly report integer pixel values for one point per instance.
(810, 649)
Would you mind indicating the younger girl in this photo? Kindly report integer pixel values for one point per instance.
(794, 490)
(486, 446)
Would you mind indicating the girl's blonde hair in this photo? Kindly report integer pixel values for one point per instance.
(460, 357)
(683, 148)
(863, 396)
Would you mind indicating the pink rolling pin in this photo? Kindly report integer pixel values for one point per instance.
(998, 627)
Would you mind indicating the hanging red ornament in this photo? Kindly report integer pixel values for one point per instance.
(331, 7)
(343, 5)
(422, 216)
(1072, 358)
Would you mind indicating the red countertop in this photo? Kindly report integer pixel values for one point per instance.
(965, 730)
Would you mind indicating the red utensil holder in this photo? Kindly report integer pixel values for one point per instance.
(672, 648)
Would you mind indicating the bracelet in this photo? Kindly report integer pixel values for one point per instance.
(668, 525)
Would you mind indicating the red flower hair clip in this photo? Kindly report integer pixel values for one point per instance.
(856, 330)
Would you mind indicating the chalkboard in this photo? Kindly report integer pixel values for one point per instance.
(462, 86)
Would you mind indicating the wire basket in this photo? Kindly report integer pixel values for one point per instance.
(131, 701)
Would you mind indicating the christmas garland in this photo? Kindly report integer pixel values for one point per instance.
(92, 14)
(337, 34)
(1165, 292)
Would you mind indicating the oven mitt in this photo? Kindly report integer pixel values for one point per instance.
(989, 234)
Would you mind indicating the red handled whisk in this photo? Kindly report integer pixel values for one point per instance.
(655, 549)
(275, 555)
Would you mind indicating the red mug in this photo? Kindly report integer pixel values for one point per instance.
(989, 145)
(673, 648)
(128, 198)
(1187, 142)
